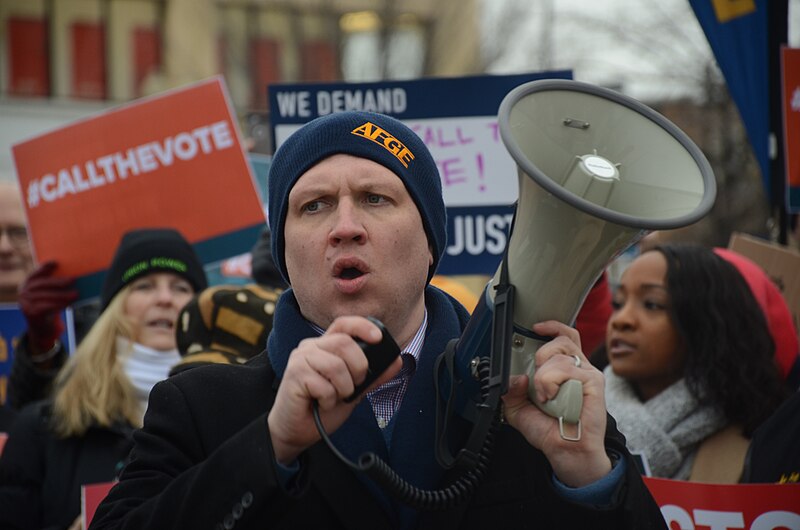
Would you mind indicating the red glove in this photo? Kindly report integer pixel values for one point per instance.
(41, 299)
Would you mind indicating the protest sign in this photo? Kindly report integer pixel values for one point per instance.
(237, 270)
(779, 262)
(91, 497)
(694, 505)
(457, 120)
(12, 326)
(790, 70)
(171, 160)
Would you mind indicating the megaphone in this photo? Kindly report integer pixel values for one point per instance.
(597, 170)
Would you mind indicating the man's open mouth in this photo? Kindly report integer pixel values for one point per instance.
(350, 273)
(349, 269)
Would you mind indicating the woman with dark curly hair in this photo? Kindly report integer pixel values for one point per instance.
(691, 369)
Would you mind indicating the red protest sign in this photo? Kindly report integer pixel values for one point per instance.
(174, 160)
(91, 497)
(698, 506)
(790, 69)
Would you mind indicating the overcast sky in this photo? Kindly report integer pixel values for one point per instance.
(647, 48)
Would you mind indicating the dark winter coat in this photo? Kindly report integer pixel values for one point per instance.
(41, 474)
(204, 458)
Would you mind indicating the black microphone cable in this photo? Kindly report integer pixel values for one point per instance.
(380, 472)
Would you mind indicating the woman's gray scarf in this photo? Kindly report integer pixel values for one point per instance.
(667, 428)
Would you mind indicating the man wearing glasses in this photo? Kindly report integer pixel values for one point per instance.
(16, 261)
(38, 353)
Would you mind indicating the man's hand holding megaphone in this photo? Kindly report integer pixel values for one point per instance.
(578, 463)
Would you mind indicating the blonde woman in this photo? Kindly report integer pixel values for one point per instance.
(82, 434)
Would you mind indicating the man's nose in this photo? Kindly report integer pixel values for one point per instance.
(347, 224)
(5, 241)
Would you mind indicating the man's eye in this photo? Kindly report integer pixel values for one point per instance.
(312, 206)
(18, 232)
(375, 199)
(616, 305)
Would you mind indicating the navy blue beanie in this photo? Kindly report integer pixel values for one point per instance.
(369, 135)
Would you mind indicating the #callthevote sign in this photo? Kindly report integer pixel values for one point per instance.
(171, 160)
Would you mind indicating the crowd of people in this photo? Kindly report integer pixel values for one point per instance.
(208, 405)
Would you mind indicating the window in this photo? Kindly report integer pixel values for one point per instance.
(146, 56)
(318, 61)
(28, 57)
(88, 60)
(264, 54)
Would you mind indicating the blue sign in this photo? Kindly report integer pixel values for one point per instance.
(737, 33)
(476, 239)
(12, 326)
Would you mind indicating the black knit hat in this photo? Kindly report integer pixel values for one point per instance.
(264, 271)
(369, 135)
(145, 251)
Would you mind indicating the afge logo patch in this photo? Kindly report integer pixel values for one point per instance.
(370, 131)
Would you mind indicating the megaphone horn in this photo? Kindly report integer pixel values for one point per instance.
(597, 170)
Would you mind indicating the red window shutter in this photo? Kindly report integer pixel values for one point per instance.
(28, 57)
(265, 57)
(318, 61)
(88, 60)
(146, 56)
(222, 53)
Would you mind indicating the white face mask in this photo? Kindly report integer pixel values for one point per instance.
(145, 366)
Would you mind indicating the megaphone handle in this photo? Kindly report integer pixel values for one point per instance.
(566, 405)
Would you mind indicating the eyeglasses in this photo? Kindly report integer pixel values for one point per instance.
(17, 235)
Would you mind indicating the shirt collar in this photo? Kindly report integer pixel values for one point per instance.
(414, 347)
